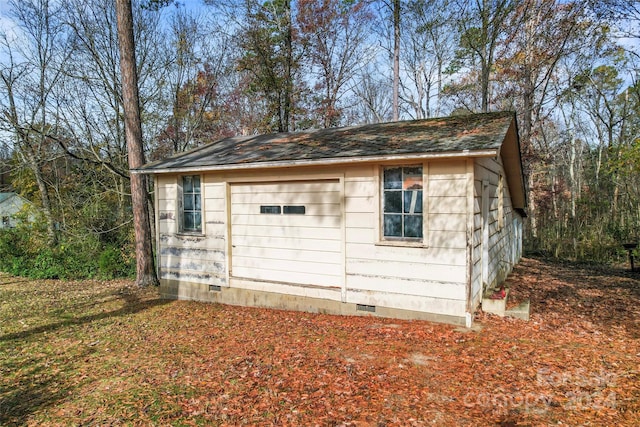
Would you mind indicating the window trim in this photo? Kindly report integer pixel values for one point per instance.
(181, 211)
(382, 240)
(500, 193)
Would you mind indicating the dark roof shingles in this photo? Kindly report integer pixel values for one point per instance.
(449, 134)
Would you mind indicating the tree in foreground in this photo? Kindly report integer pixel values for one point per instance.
(145, 271)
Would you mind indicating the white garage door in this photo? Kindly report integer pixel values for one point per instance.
(287, 232)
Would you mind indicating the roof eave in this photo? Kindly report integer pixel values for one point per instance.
(319, 162)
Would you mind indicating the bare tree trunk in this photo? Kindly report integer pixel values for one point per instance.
(288, 89)
(31, 157)
(396, 59)
(52, 238)
(533, 220)
(573, 170)
(145, 271)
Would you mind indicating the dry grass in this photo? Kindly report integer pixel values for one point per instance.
(102, 353)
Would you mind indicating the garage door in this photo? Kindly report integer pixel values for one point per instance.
(287, 232)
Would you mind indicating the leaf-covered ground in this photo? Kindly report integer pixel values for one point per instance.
(102, 353)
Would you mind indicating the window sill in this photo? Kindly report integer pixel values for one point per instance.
(402, 243)
(190, 233)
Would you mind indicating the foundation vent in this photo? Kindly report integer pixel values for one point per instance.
(214, 288)
(363, 307)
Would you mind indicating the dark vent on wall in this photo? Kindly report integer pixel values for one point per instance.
(369, 308)
(294, 210)
(270, 209)
(214, 288)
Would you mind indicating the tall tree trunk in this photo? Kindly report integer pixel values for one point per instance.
(533, 212)
(288, 92)
(36, 169)
(396, 59)
(485, 67)
(145, 271)
(572, 175)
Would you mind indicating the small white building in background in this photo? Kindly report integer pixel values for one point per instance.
(10, 205)
(412, 219)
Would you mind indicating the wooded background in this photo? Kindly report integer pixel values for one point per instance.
(211, 69)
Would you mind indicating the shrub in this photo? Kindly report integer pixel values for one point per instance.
(113, 264)
(24, 252)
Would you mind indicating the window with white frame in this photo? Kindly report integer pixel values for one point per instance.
(402, 203)
(191, 204)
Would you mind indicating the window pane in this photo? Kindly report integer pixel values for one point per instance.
(412, 201)
(188, 202)
(393, 201)
(393, 178)
(188, 221)
(196, 202)
(196, 183)
(197, 221)
(187, 184)
(412, 178)
(393, 225)
(192, 221)
(413, 226)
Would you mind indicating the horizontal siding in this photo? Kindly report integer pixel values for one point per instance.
(430, 278)
(448, 205)
(416, 271)
(447, 222)
(318, 210)
(448, 239)
(260, 273)
(316, 269)
(293, 233)
(449, 169)
(326, 292)
(289, 198)
(450, 307)
(187, 257)
(435, 256)
(296, 187)
(288, 243)
(360, 220)
(332, 256)
(501, 234)
(264, 245)
(417, 287)
(447, 188)
(273, 253)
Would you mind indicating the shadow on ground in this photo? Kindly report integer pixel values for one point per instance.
(45, 379)
(606, 297)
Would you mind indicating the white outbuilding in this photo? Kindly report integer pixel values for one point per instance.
(412, 219)
(11, 204)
